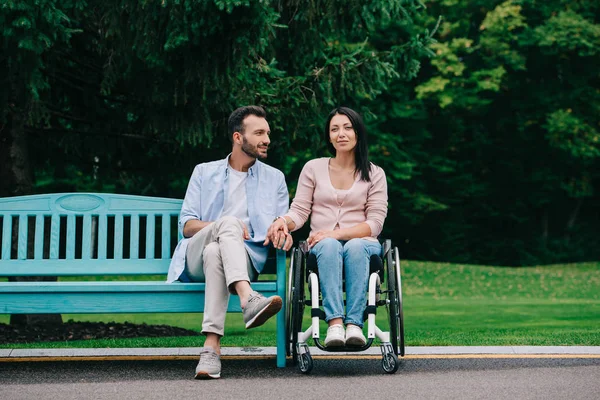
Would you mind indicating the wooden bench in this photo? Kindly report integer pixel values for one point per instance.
(90, 234)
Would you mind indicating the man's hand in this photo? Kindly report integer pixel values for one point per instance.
(245, 233)
(278, 234)
(318, 236)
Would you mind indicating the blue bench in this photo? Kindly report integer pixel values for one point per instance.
(90, 234)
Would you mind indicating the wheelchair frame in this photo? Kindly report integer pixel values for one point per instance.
(392, 341)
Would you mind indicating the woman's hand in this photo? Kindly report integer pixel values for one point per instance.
(318, 236)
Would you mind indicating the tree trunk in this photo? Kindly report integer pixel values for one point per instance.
(573, 219)
(16, 180)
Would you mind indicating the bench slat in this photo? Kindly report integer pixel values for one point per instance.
(23, 228)
(86, 240)
(134, 237)
(150, 236)
(54, 236)
(102, 236)
(6, 236)
(166, 236)
(70, 237)
(113, 287)
(113, 297)
(90, 267)
(38, 244)
(118, 236)
(99, 303)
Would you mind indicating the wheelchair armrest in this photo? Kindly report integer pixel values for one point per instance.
(386, 246)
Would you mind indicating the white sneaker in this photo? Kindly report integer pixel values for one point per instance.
(335, 336)
(354, 336)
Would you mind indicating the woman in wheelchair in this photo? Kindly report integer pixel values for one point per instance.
(345, 197)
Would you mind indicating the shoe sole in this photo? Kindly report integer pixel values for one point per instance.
(335, 343)
(205, 375)
(355, 341)
(271, 309)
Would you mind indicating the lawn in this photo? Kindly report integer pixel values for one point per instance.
(444, 304)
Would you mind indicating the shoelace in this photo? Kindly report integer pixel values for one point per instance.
(253, 298)
(209, 357)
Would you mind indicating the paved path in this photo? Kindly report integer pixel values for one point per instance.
(8, 355)
(332, 379)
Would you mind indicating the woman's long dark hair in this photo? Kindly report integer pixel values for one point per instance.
(361, 153)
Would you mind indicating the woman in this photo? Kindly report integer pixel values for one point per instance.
(346, 199)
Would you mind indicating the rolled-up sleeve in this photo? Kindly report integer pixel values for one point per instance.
(377, 201)
(192, 206)
(302, 204)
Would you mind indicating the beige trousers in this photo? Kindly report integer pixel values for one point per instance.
(216, 255)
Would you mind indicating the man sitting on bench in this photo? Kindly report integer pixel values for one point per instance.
(228, 207)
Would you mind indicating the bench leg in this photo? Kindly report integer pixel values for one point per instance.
(281, 338)
(281, 291)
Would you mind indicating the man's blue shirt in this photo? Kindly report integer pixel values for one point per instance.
(267, 196)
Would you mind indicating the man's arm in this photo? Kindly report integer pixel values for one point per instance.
(193, 226)
(190, 218)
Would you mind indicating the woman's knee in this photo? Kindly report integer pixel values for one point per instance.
(328, 245)
(355, 247)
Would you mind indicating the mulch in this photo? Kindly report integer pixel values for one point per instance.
(72, 330)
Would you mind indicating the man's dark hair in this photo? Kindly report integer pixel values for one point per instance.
(361, 154)
(236, 119)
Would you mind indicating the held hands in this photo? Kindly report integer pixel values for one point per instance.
(318, 236)
(279, 234)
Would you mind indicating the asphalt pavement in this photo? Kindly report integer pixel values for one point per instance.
(250, 373)
(343, 378)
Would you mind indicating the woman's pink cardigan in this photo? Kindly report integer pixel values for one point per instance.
(316, 197)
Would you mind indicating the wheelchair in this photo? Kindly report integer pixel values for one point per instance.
(384, 290)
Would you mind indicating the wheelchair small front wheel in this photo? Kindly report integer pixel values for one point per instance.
(390, 363)
(305, 363)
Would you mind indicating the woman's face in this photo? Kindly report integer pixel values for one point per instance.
(341, 134)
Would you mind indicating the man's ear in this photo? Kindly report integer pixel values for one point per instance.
(237, 137)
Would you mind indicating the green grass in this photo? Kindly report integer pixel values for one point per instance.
(444, 304)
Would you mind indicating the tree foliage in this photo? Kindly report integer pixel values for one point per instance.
(489, 134)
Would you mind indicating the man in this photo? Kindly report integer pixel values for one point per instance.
(228, 207)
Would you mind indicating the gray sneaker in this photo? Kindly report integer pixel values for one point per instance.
(260, 308)
(209, 365)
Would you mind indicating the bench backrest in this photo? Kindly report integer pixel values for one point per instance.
(87, 234)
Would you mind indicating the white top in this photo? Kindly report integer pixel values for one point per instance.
(236, 203)
(341, 195)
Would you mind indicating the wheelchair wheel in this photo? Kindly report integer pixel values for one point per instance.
(390, 363)
(305, 363)
(288, 308)
(394, 306)
(297, 308)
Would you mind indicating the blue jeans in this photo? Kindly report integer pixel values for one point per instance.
(353, 256)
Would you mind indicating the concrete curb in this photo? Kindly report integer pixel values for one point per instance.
(270, 352)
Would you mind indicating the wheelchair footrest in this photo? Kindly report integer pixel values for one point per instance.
(347, 349)
(317, 312)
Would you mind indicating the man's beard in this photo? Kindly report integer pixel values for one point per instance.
(251, 151)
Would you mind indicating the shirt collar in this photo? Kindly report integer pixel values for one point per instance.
(251, 171)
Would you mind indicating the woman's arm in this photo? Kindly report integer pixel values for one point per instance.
(377, 201)
(303, 200)
(357, 231)
(297, 215)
